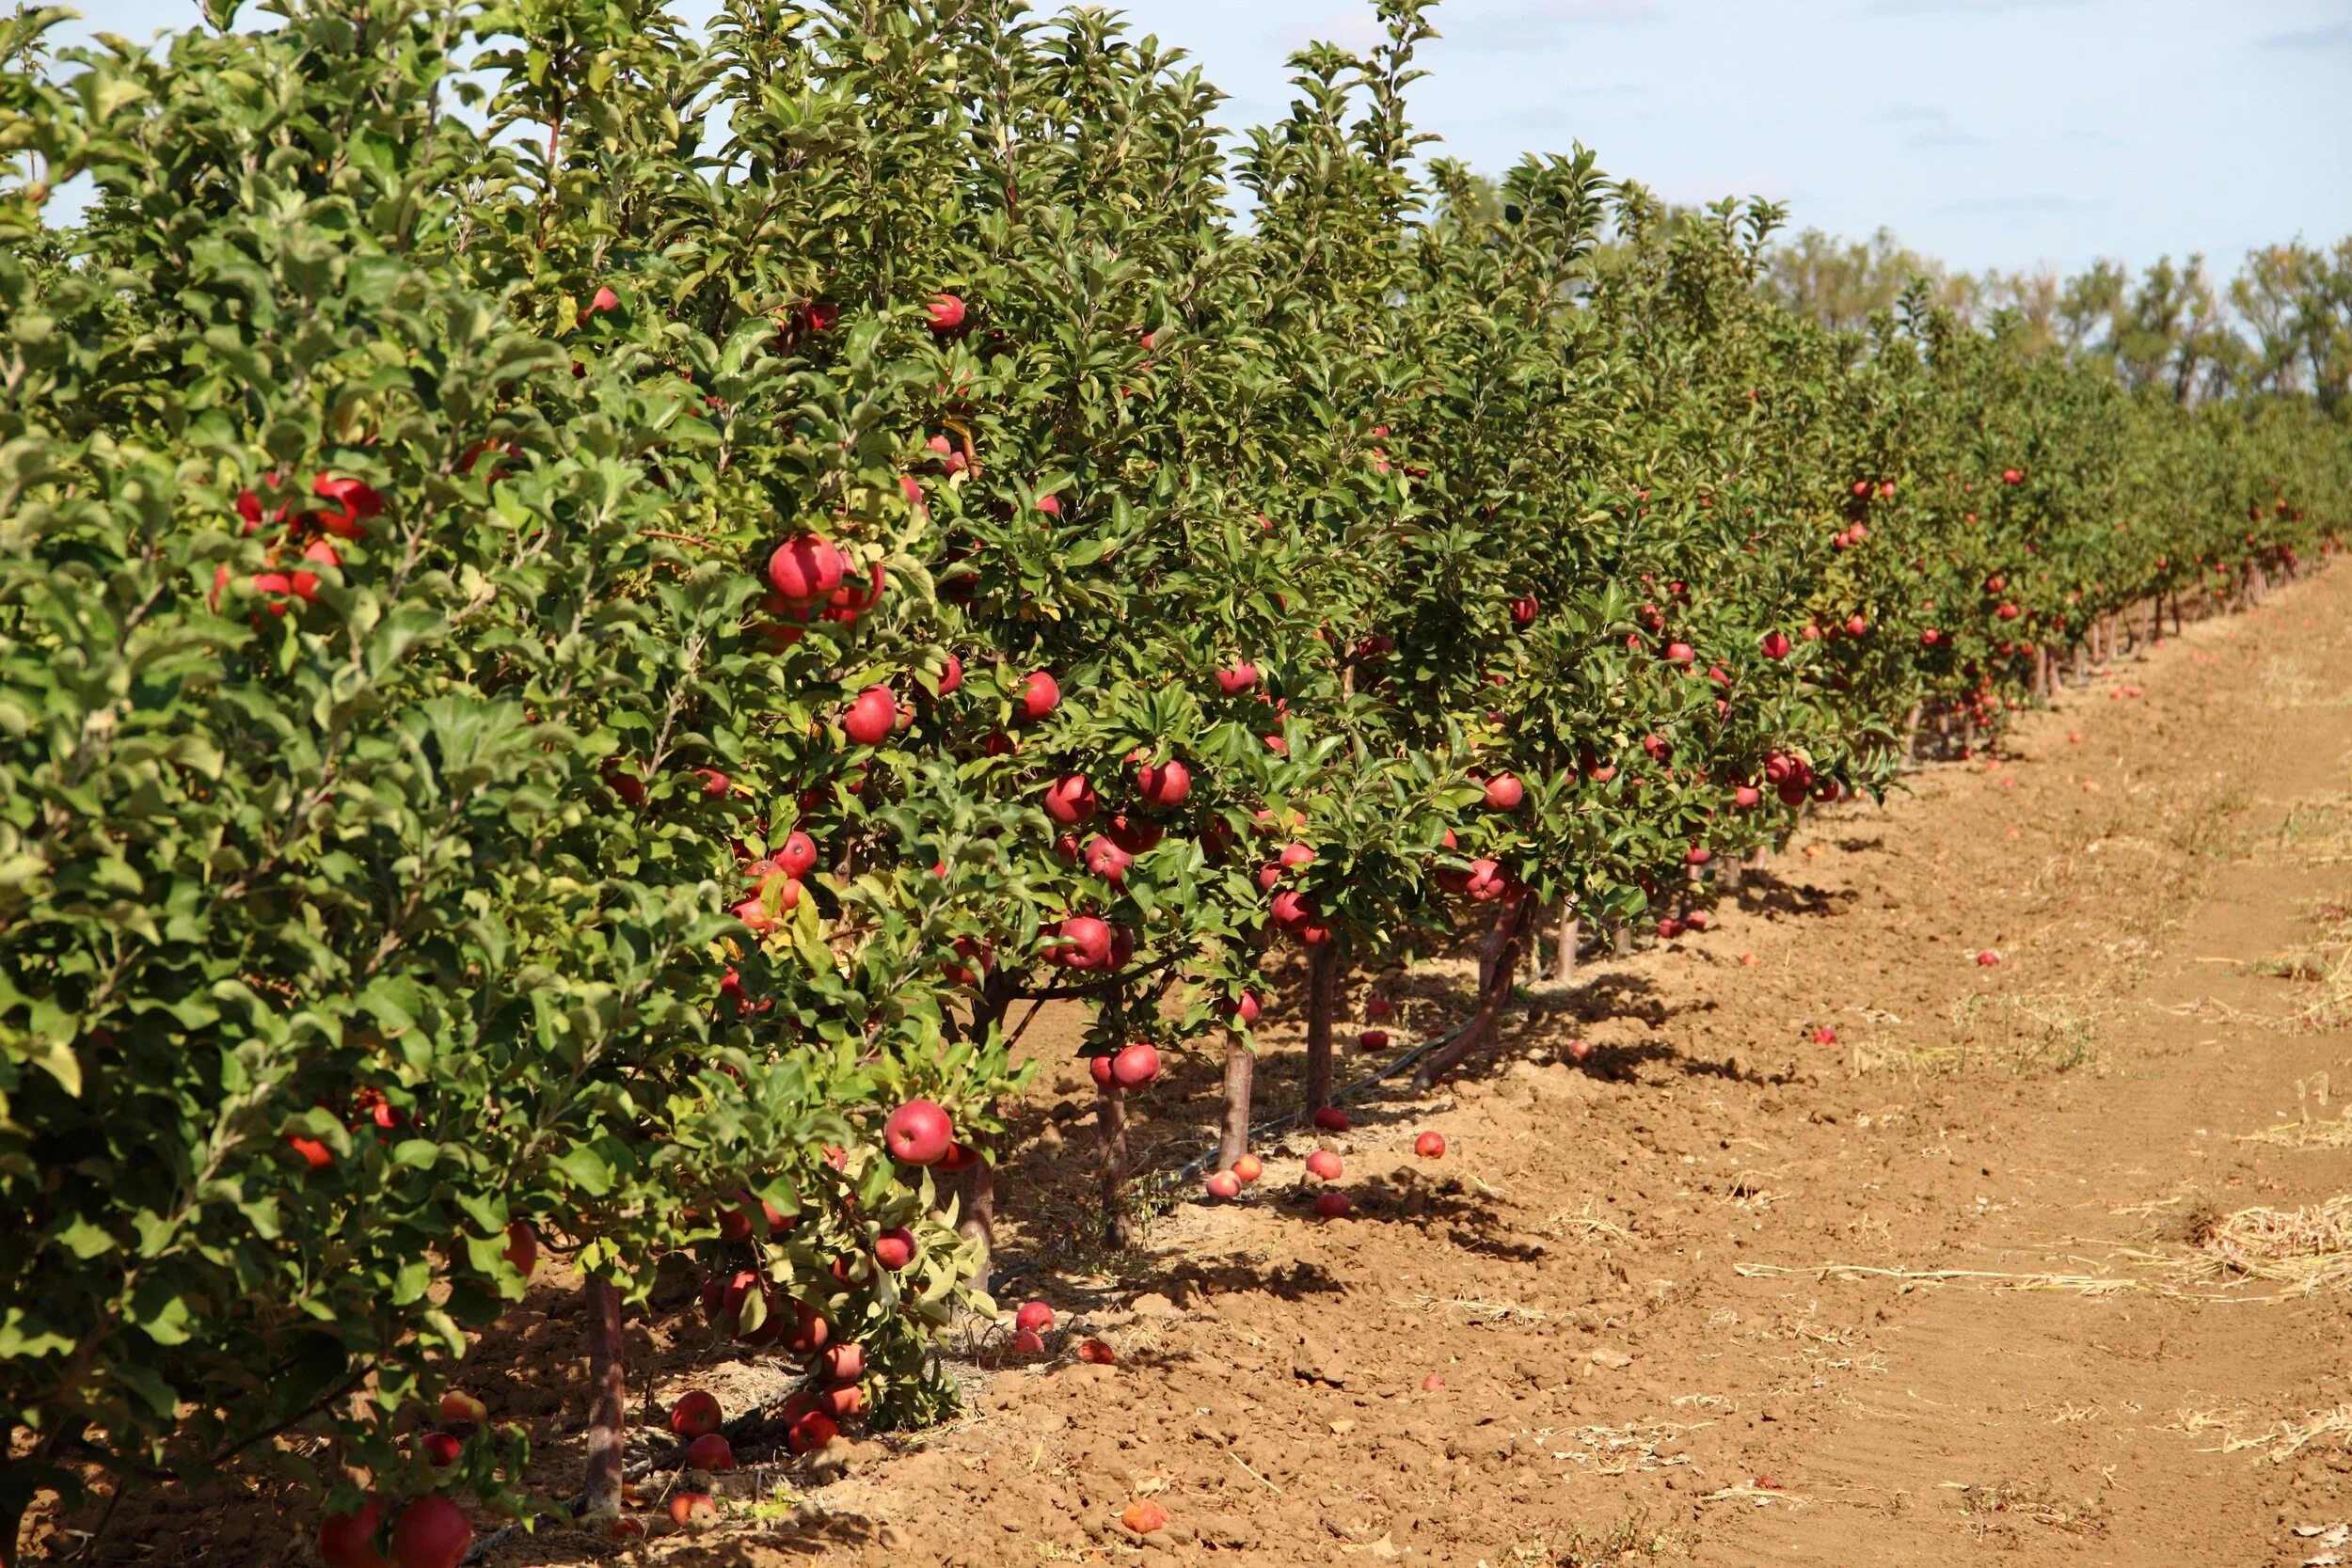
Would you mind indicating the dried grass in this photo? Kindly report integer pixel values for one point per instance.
(1491, 1311)
(2302, 1250)
(2278, 1441)
(2078, 1284)
(1989, 1508)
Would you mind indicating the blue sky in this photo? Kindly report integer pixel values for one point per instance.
(1990, 132)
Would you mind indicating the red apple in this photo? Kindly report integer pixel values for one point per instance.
(694, 1510)
(894, 1249)
(1333, 1206)
(1224, 1185)
(1504, 793)
(919, 1134)
(1378, 1006)
(433, 1532)
(1824, 1036)
(1987, 958)
(811, 1431)
(1430, 1146)
(1244, 1009)
(697, 1414)
(843, 1401)
(2012, 476)
(711, 1451)
(1237, 677)
(1775, 645)
(1433, 1383)
(1856, 625)
(1680, 653)
(1135, 1066)
(1034, 1315)
(1050, 505)
(1330, 1119)
(806, 567)
(1165, 786)
(1143, 1516)
(1029, 1342)
(1040, 695)
(1580, 1049)
(1069, 800)
(1083, 941)
(348, 1540)
(944, 313)
(1372, 1039)
(871, 717)
(1099, 1068)
(440, 1448)
(1324, 1165)
(457, 1405)
(1106, 859)
(1930, 637)
(1249, 1168)
(1524, 609)
(1747, 797)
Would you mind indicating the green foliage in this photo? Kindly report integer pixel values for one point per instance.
(398, 739)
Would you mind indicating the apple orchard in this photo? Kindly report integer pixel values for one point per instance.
(593, 611)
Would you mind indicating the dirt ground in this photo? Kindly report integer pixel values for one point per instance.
(2050, 1257)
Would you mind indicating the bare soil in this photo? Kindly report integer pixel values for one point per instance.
(2037, 1257)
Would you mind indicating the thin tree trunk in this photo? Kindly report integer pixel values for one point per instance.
(2082, 663)
(1511, 927)
(1563, 949)
(976, 1219)
(2155, 619)
(608, 1410)
(1911, 734)
(1621, 940)
(1322, 984)
(1110, 1128)
(1241, 1072)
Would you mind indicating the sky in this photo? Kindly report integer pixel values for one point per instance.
(2007, 133)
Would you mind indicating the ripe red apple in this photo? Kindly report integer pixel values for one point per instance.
(440, 1448)
(433, 1532)
(1747, 797)
(919, 1133)
(1433, 1383)
(843, 1401)
(1524, 609)
(1824, 1036)
(1987, 958)
(1249, 1168)
(1333, 1206)
(805, 567)
(1856, 625)
(1244, 1009)
(1699, 854)
(797, 857)
(1106, 859)
(1680, 654)
(1290, 909)
(1504, 793)
(711, 1451)
(1069, 800)
(1331, 1118)
(1135, 1066)
(1143, 1516)
(1430, 1146)
(1372, 1039)
(1029, 1342)
(871, 717)
(1378, 1006)
(1669, 929)
(1083, 941)
(348, 1540)
(1224, 1185)
(1165, 786)
(694, 1510)
(811, 1329)
(1697, 920)
(696, 1414)
(2007, 612)
(1099, 1068)
(1041, 695)
(458, 1405)
(1580, 1049)
(894, 1249)
(811, 1431)
(1237, 677)
(1034, 1315)
(944, 312)
(1324, 1165)
(2012, 476)
(1050, 505)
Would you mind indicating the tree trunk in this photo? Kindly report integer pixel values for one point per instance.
(1621, 940)
(2155, 619)
(1511, 927)
(1322, 984)
(2082, 663)
(1110, 1128)
(1241, 1072)
(1564, 950)
(1911, 736)
(608, 1394)
(976, 1219)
